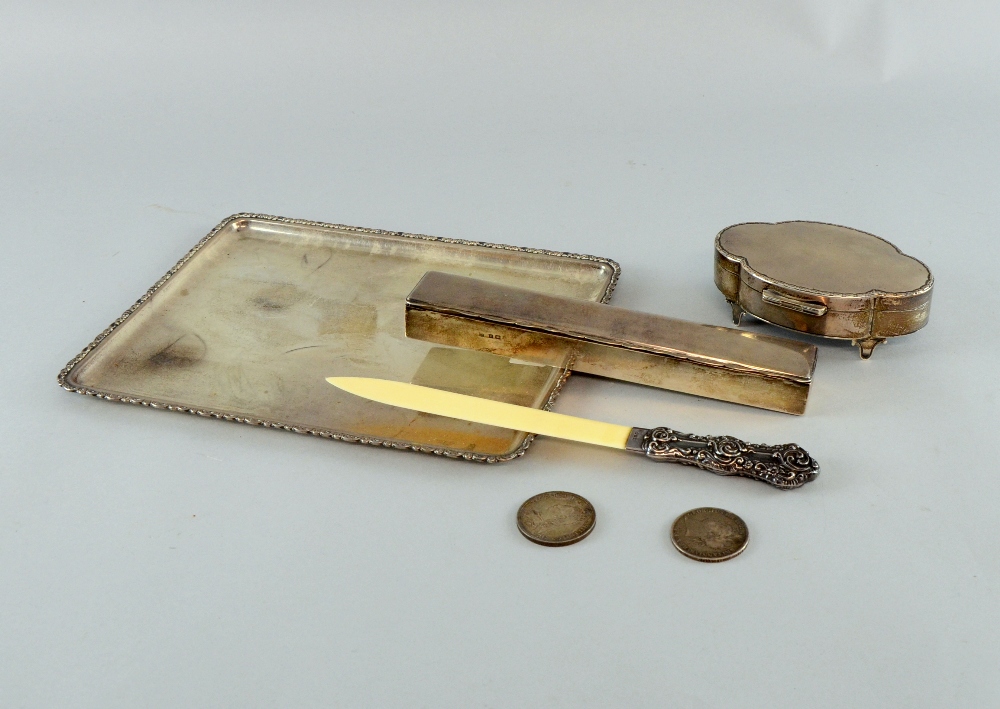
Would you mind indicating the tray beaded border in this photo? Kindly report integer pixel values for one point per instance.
(322, 433)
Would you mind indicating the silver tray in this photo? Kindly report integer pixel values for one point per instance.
(249, 323)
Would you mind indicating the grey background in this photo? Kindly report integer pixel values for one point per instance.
(152, 559)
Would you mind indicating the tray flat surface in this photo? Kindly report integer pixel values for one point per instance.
(250, 322)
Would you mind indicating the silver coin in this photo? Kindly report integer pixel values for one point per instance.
(709, 534)
(556, 518)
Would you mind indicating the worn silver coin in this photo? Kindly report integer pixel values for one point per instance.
(709, 534)
(556, 518)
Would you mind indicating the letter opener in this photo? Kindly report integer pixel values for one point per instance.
(783, 466)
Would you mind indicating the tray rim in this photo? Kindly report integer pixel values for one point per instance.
(61, 379)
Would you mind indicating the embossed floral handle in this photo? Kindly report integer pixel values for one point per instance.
(784, 466)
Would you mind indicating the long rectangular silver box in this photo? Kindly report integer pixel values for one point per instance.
(706, 360)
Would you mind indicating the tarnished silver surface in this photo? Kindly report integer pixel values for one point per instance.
(784, 466)
(246, 326)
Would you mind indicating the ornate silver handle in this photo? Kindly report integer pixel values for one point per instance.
(785, 466)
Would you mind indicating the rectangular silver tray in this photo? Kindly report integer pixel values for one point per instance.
(249, 323)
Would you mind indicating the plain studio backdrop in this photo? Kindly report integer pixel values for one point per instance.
(150, 559)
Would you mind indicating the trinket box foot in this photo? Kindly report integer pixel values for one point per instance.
(737, 312)
(868, 345)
